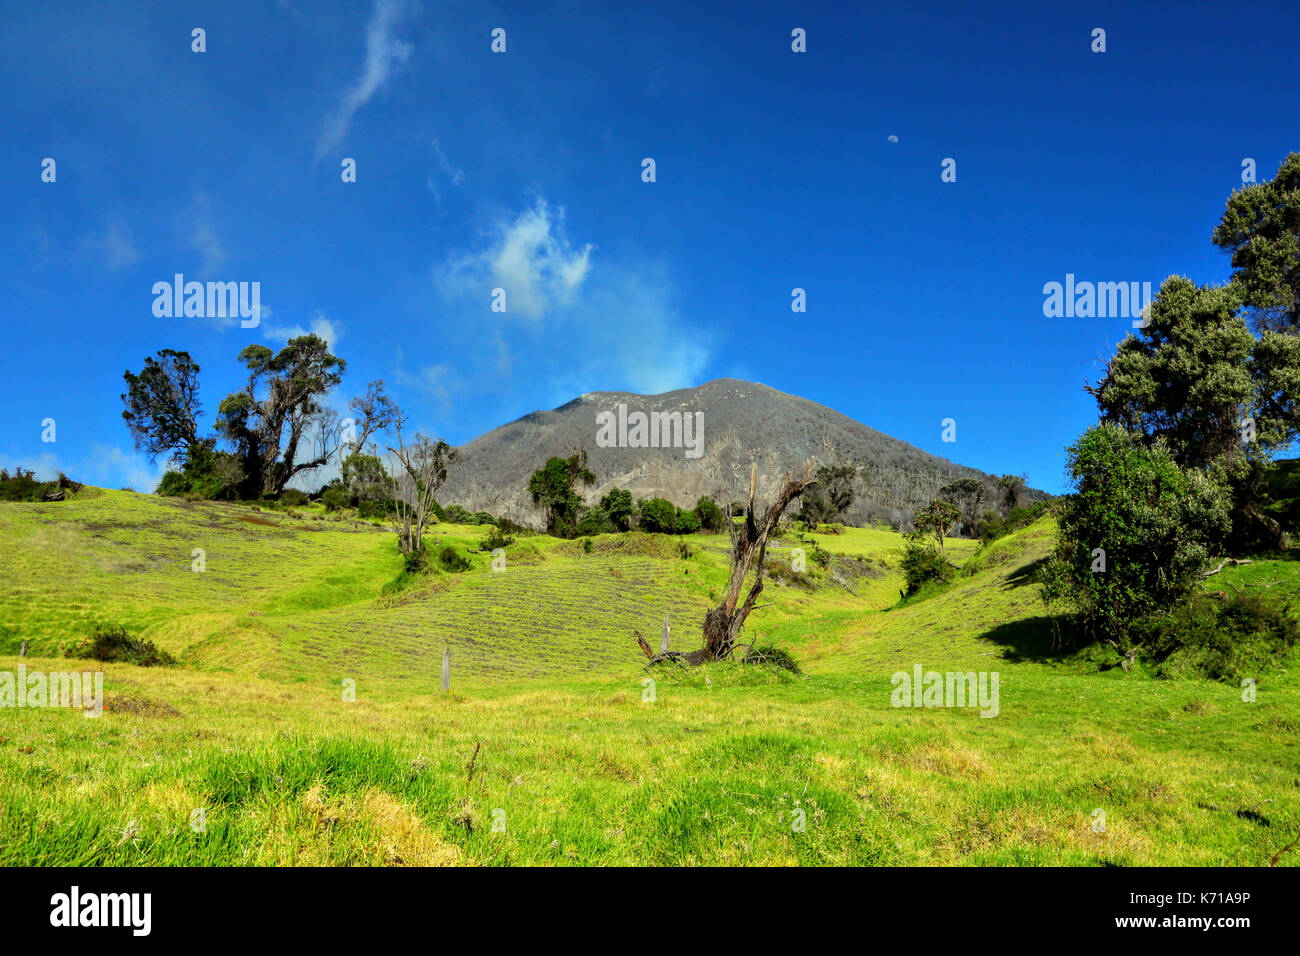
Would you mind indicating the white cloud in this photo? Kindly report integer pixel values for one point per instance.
(452, 174)
(114, 247)
(592, 324)
(529, 257)
(321, 324)
(203, 238)
(384, 51)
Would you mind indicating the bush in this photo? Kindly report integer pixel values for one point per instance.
(514, 528)
(657, 515)
(207, 474)
(687, 522)
(923, 565)
(709, 515)
(496, 538)
(992, 526)
(449, 559)
(372, 510)
(113, 643)
(1133, 537)
(293, 498)
(335, 498)
(594, 521)
(416, 562)
(23, 486)
(455, 514)
(1221, 639)
(786, 574)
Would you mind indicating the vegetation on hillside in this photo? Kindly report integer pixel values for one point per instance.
(1193, 410)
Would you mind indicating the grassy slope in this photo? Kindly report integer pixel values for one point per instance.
(548, 687)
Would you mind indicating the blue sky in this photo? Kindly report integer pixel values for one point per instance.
(775, 170)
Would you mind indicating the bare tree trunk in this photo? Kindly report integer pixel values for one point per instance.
(748, 553)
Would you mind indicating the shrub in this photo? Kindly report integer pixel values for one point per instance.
(207, 474)
(785, 574)
(496, 538)
(335, 498)
(455, 514)
(923, 565)
(1221, 639)
(594, 521)
(375, 509)
(657, 515)
(449, 559)
(114, 643)
(416, 562)
(1149, 523)
(293, 498)
(513, 528)
(709, 515)
(23, 486)
(687, 522)
(617, 505)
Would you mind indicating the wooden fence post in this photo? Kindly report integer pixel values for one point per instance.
(446, 669)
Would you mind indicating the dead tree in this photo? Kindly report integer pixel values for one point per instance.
(421, 469)
(748, 553)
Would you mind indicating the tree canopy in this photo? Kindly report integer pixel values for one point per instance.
(554, 487)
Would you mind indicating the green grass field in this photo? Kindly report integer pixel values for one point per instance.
(548, 750)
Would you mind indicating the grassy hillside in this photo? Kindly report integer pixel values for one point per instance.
(548, 691)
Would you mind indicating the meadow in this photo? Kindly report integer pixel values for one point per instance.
(551, 748)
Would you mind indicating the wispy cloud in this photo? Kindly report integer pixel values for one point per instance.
(601, 323)
(113, 247)
(202, 237)
(529, 257)
(320, 324)
(384, 52)
(448, 173)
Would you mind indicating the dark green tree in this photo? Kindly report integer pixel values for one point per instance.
(829, 495)
(554, 487)
(1261, 229)
(935, 519)
(1134, 536)
(968, 495)
(1012, 488)
(709, 514)
(657, 515)
(162, 405)
(279, 411)
(618, 507)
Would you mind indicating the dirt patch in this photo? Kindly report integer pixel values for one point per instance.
(140, 706)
